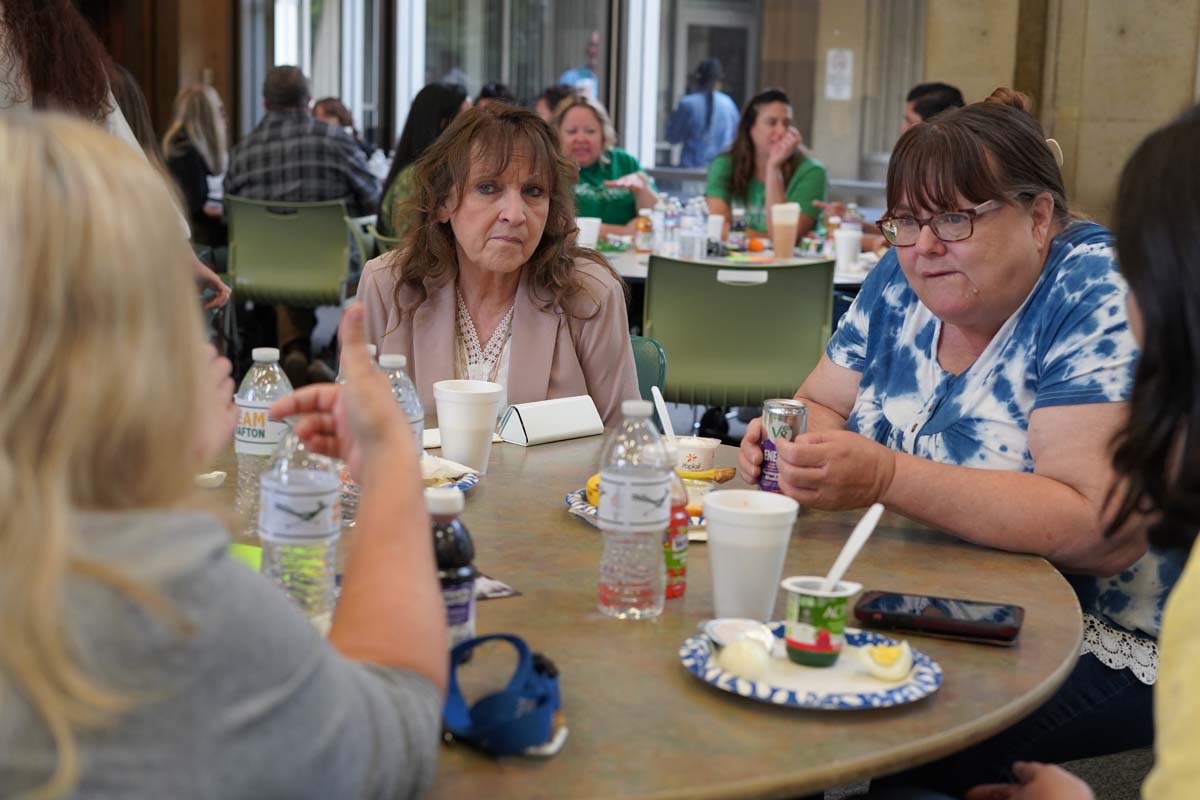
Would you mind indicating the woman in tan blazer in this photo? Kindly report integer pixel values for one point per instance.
(488, 284)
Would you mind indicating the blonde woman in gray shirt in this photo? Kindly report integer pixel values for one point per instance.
(139, 660)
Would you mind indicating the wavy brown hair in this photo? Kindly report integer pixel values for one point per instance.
(993, 150)
(427, 255)
(58, 55)
(743, 146)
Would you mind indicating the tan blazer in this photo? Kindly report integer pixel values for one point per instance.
(551, 353)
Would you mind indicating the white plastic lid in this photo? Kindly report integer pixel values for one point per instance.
(265, 355)
(393, 361)
(644, 212)
(442, 501)
(371, 350)
(638, 409)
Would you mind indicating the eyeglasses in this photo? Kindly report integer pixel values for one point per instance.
(949, 226)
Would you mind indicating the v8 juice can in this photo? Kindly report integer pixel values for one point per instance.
(781, 419)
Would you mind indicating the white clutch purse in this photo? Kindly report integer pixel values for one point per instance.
(550, 421)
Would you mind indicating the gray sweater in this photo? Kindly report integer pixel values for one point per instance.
(255, 704)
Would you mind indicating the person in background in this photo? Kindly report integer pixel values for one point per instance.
(583, 78)
(1157, 454)
(292, 157)
(434, 107)
(706, 119)
(550, 99)
(611, 183)
(495, 93)
(927, 99)
(987, 357)
(51, 59)
(332, 111)
(138, 654)
(768, 164)
(196, 153)
(488, 284)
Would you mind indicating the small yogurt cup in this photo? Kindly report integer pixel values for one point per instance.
(815, 621)
(695, 453)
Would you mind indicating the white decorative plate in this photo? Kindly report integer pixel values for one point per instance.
(578, 505)
(845, 686)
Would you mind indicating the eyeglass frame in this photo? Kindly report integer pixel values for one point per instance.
(972, 213)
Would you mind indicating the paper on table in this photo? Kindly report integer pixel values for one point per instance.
(435, 468)
(432, 439)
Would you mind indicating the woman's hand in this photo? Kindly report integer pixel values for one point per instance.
(785, 148)
(209, 279)
(219, 413)
(356, 421)
(639, 184)
(750, 454)
(1035, 782)
(835, 470)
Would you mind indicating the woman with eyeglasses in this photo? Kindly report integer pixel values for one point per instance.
(975, 385)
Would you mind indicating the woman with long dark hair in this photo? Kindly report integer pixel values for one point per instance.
(768, 164)
(432, 110)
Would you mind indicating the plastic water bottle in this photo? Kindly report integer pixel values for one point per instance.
(298, 525)
(635, 507)
(350, 489)
(455, 561)
(671, 229)
(658, 219)
(406, 395)
(255, 437)
(693, 231)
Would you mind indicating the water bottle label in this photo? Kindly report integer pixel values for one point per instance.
(459, 600)
(299, 511)
(255, 435)
(634, 503)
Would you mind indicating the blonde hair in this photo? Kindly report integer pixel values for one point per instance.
(101, 392)
(606, 124)
(198, 116)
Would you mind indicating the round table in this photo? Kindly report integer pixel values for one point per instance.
(641, 726)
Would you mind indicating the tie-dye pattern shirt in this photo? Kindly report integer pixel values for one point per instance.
(1068, 344)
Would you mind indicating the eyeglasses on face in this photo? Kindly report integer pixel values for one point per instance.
(949, 226)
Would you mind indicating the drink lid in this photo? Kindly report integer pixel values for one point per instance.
(444, 500)
(637, 409)
(645, 212)
(265, 355)
(393, 361)
(371, 350)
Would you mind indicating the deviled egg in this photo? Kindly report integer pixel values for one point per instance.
(887, 662)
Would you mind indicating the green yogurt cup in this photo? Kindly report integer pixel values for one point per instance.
(815, 622)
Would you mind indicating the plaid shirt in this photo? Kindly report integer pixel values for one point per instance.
(292, 157)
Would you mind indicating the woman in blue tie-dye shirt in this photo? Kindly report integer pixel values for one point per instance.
(975, 385)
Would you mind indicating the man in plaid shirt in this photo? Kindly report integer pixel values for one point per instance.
(292, 157)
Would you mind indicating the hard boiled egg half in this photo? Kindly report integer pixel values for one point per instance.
(887, 662)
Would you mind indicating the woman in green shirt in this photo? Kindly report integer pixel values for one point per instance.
(611, 184)
(768, 164)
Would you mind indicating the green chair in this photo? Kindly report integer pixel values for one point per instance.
(738, 335)
(382, 243)
(362, 240)
(292, 254)
(651, 361)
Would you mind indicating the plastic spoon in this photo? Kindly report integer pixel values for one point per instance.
(663, 416)
(862, 532)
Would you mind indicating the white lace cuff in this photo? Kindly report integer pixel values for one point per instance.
(1118, 649)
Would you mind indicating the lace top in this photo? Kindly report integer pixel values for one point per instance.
(476, 361)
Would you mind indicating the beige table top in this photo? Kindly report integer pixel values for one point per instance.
(642, 726)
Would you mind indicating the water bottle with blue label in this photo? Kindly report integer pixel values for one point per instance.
(406, 396)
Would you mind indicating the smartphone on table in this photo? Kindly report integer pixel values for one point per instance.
(969, 620)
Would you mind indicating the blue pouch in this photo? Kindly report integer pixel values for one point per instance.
(524, 719)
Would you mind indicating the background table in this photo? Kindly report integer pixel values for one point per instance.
(641, 726)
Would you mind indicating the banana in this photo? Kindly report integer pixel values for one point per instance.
(593, 490)
(719, 475)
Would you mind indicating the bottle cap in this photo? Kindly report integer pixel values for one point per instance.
(265, 355)
(393, 361)
(443, 501)
(644, 212)
(371, 350)
(638, 409)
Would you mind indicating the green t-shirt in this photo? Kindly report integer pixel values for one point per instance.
(396, 193)
(594, 199)
(807, 184)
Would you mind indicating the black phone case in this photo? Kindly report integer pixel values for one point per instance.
(940, 627)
